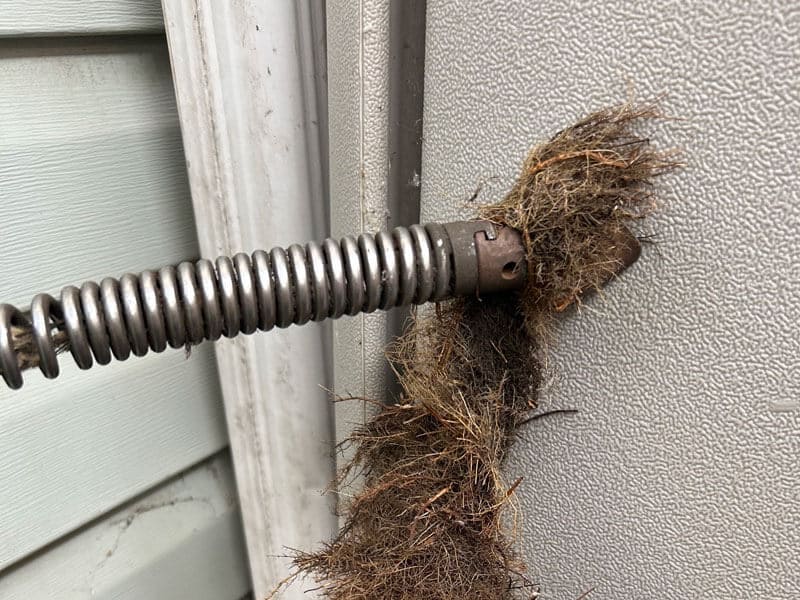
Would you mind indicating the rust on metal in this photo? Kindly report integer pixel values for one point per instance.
(501, 261)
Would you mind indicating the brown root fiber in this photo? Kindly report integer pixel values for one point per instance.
(431, 520)
(427, 524)
(24, 345)
(573, 201)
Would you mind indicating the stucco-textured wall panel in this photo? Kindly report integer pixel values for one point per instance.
(678, 478)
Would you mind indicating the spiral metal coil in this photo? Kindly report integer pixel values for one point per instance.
(205, 300)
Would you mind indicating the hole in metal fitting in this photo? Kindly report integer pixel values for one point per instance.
(509, 270)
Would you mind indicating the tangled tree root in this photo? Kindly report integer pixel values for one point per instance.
(430, 521)
(22, 340)
(573, 202)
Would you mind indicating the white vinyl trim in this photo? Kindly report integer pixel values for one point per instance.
(247, 78)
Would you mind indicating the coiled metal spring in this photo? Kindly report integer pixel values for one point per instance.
(198, 301)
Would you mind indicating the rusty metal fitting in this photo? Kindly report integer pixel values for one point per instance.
(487, 258)
(501, 261)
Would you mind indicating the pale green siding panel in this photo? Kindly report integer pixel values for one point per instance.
(71, 450)
(91, 165)
(92, 183)
(79, 17)
(182, 540)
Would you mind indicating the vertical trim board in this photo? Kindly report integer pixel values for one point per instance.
(247, 88)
